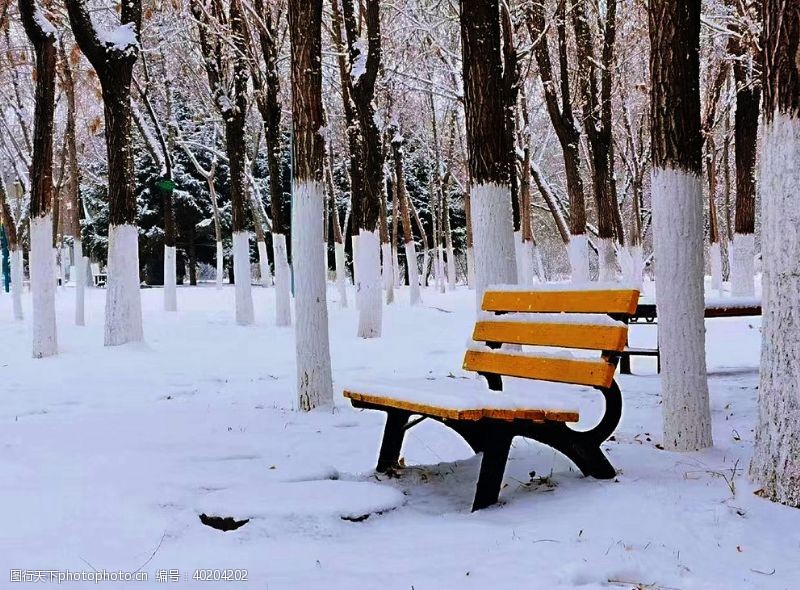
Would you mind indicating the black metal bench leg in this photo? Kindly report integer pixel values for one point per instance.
(493, 465)
(393, 433)
(625, 364)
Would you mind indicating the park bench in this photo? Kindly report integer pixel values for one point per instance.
(99, 278)
(553, 316)
(647, 314)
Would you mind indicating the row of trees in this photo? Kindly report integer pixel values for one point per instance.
(239, 53)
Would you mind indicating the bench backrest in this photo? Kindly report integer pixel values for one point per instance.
(552, 316)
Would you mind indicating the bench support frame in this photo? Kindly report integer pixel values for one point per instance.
(493, 438)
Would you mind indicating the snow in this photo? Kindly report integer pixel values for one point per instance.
(678, 237)
(242, 278)
(44, 24)
(43, 286)
(565, 286)
(592, 319)
(123, 318)
(111, 465)
(121, 38)
(359, 66)
(492, 237)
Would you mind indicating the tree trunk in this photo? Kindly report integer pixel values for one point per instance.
(43, 37)
(314, 379)
(405, 217)
(776, 458)
(114, 66)
(678, 221)
(748, 98)
(491, 207)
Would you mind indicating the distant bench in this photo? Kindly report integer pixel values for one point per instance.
(550, 317)
(647, 314)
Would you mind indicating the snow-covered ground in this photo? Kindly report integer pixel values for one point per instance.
(108, 456)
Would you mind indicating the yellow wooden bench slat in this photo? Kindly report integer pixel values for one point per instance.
(610, 301)
(583, 336)
(532, 414)
(579, 372)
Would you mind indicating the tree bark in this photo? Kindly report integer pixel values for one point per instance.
(678, 220)
(314, 379)
(491, 206)
(776, 458)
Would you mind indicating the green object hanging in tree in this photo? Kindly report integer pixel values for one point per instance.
(165, 184)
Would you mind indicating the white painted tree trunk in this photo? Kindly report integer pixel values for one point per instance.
(388, 272)
(678, 236)
(62, 266)
(220, 265)
(263, 265)
(245, 315)
(283, 280)
(123, 299)
(451, 268)
(314, 380)
(537, 259)
(413, 272)
(715, 260)
(578, 251)
(16, 282)
(170, 279)
(396, 268)
(80, 282)
(632, 262)
(492, 238)
(522, 276)
(470, 268)
(43, 284)
(743, 252)
(607, 260)
(776, 458)
(370, 310)
(354, 246)
(440, 278)
(341, 273)
(426, 262)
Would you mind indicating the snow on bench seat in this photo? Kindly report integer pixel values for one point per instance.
(462, 403)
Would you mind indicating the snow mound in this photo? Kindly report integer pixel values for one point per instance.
(349, 500)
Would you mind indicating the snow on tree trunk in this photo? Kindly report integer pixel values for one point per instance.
(16, 283)
(220, 265)
(263, 265)
(607, 255)
(283, 305)
(678, 235)
(413, 273)
(123, 298)
(45, 342)
(743, 251)
(369, 285)
(80, 282)
(776, 458)
(492, 237)
(241, 272)
(170, 279)
(451, 268)
(341, 273)
(315, 385)
(715, 261)
(578, 251)
(387, 270)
